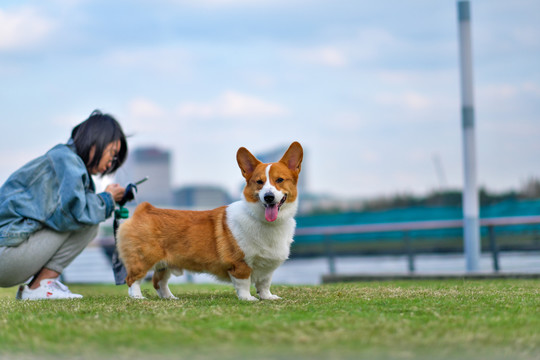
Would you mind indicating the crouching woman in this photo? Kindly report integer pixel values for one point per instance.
(49, 210)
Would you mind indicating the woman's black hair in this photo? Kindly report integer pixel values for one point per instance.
(99, 130)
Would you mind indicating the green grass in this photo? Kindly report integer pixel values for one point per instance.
(495, 319)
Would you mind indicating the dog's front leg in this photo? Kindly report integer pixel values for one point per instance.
(262, 285)
(135, 290)
(242, 287)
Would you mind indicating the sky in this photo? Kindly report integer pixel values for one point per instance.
(369, 88)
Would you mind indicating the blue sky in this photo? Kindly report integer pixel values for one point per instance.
(370, 89)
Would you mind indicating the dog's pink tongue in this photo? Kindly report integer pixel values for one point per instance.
(271, 212)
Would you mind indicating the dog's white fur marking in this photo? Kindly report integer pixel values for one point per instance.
(242, 287)
(269, 188)
(164, 292)
(265, 245)
(135, 290)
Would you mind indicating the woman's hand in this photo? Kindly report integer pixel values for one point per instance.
(116, 191)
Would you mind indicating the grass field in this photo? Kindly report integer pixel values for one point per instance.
(454, 319)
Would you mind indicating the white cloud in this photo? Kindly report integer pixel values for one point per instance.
(220, 4)
(372, 43)
(363, 45)
(231, 104)
(325, 55)
(66, 120)
(347, 121)
(531, 88)
(423, 77)
(508, 91)
(144, 108)
(408, 100)
(432, 92)
(145, 116)
(23, 28)
(499, 92)
(260, 80)
(165, 60)
(526, 36)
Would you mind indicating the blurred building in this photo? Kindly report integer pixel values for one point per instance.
(154, 163)
(200, 197)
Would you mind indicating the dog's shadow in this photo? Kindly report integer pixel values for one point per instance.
(192, 296)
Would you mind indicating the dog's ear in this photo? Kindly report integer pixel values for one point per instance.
(247, 162)
(293, 157)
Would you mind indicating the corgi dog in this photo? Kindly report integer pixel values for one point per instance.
(244, 242)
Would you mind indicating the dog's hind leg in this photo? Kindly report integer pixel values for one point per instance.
(161, 283)
(135, 274)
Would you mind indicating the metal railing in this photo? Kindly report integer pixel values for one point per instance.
(490, 223)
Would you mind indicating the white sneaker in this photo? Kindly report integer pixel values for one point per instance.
(48, 289)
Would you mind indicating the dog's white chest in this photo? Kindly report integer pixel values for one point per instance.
(265, 245)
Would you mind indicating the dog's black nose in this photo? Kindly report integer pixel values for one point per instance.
(269, 197)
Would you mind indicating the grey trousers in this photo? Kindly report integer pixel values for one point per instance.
(45, 248)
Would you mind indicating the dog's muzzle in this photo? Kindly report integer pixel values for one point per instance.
(271, 209)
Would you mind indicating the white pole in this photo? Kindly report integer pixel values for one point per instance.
(471, 229)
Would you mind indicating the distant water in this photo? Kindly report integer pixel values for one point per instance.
(92, 266)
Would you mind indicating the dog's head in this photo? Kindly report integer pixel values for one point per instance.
(271, 188)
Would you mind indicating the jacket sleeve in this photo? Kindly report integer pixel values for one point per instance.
(77, 204)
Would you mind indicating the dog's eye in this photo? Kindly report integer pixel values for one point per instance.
(279, 180)
(260, 182)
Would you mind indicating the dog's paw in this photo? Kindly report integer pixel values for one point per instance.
(137, 297)
(169, 297)
(248, 298)
(166, 294)
(271, 297)
(135, 292)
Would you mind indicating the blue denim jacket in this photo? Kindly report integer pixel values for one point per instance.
(55, 191)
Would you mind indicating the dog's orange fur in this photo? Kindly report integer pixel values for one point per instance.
(198, 241)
